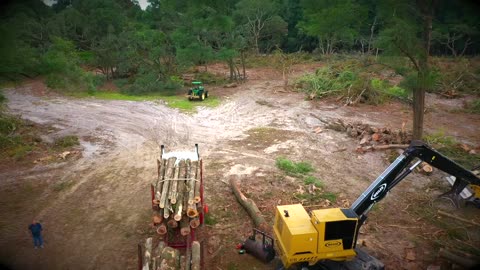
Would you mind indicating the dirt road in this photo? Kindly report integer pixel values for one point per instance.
(101, 210)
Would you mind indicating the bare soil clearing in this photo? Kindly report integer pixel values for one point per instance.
(96, 220)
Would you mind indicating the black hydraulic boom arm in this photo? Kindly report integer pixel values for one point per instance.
(399, 169)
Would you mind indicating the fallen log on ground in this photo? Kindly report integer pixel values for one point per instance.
(443, 213)
(457, 259)
(249, 205)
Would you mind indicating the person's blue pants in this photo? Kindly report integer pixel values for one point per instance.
(38, 241)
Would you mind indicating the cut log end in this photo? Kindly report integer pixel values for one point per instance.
(162, 229)
(157, 219)
(172, 224)
(194, 223)
(191, 213)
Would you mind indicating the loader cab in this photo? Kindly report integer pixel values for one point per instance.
(337, 229)
(326, 234)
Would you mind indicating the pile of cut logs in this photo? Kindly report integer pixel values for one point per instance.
(162, 257)
(177, 194)
(372, 138)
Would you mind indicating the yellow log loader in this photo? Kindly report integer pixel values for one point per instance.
(326, 238)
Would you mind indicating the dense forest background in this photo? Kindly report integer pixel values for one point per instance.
(152, 46)
(79, 44)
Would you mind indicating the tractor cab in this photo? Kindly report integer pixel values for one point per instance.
(197, 91)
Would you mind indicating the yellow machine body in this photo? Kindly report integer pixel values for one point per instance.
(325, 234)
(476, 191)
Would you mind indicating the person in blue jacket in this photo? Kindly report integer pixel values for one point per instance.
(36, 229)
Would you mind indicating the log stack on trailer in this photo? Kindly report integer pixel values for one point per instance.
(178, 210)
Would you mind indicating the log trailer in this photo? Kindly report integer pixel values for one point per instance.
(178, 212)
(328, 236)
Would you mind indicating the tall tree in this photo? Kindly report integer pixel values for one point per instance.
(332, 22)
(409, 33)
(258, 16)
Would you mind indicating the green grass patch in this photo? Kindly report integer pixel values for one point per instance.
(329, 196)
(210, 219)
(62, 186)
(182, 103)
(173, 101)
(293, 168)
(20, 151)
(313, 180)
(67, 141)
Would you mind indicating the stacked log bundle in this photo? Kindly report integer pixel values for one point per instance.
(177, 194)
(162, 257)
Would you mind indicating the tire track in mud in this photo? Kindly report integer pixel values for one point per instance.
(110, 184)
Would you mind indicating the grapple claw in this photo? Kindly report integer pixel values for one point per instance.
(453, 195)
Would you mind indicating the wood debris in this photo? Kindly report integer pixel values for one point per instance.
(372, 138)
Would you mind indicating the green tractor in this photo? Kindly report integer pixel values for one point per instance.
(197, 91)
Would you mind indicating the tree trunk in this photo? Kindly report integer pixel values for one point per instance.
(156, 255)
(162, 228)
(249, 205)
(198, 177)
(242, 59)
(195, 255)
(232, 70)
(168, 174)
(172, 223)
(194, 222)
(147, 255)
(181, 191)
(418, 111)
(184, 226)
(192, 211)
(427, 8)
(170, 259)
(157, 217)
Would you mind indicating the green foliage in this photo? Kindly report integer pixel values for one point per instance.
(383, 88)
(12, 144)
(20, 151)
(210, 219)
(150, 83)
(457, 76)
(293, 168)
(261, 23)
(351, 81)
(313, 180)
(61, 64)
(473, 107)
(326, 81)
(210, 78)
(332, 22)
(67, 141)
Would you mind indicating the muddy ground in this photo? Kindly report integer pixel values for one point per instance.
(96, 209)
